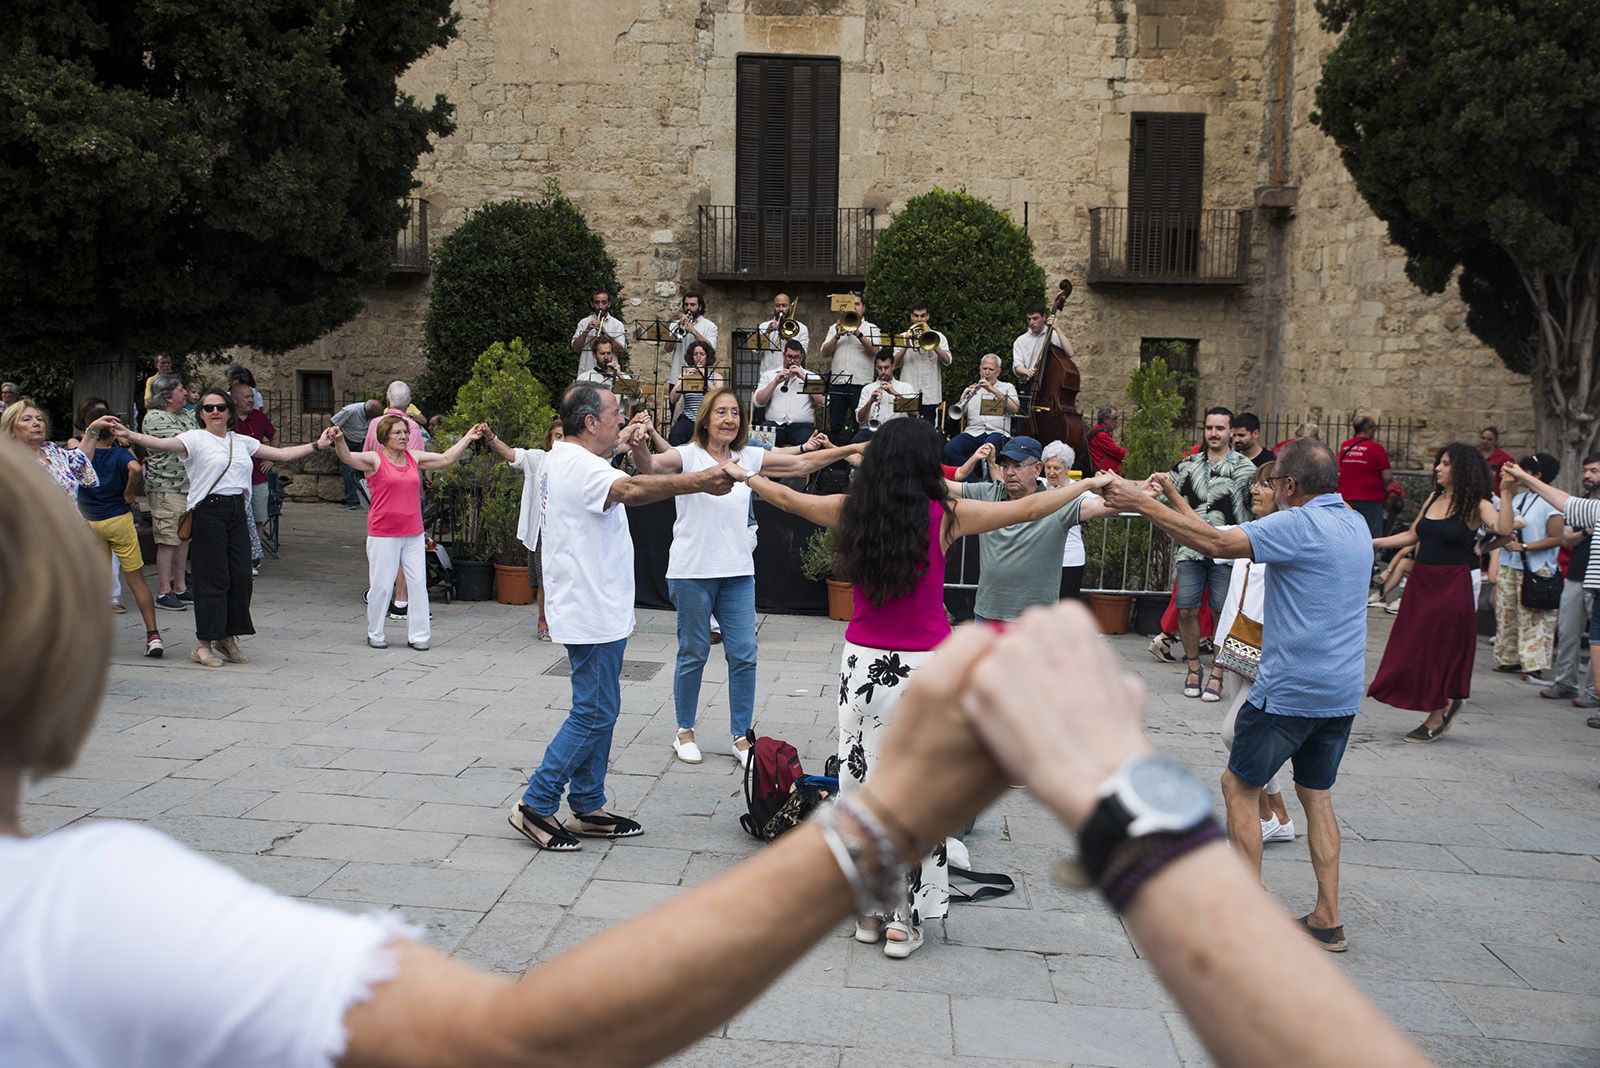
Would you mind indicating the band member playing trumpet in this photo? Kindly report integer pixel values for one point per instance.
(691, 326)
(783, 308)
(605, 369)
(698, 377)
(876, 406)
(1030, 345)
(922, 363)
(851, 345)
(600, 323)
(979, 428)
(782, 393)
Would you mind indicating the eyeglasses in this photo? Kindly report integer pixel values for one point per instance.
(1270, 479)
(213, 407)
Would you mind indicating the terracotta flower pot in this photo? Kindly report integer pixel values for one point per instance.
(1111, 611)
(511, 584)
(841, 600)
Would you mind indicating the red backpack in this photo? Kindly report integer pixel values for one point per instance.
(769, 778)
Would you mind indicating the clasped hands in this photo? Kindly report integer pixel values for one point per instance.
(1126, 494)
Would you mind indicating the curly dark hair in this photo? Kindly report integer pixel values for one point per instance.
(882, 541)
(1469, 481)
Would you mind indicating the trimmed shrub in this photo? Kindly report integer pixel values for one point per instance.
(513, 269)
(973, 266)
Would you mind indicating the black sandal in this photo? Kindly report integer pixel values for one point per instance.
(1331, 939)
(605, 825)
(560, 840)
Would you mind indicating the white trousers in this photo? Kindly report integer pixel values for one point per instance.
(385, 558)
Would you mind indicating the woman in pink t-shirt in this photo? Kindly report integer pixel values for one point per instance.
(893, 530)
(394, 523)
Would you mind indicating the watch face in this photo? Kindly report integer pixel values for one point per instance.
(1164, 795)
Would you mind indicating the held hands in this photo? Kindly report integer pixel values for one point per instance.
(479, 431)
(985, 452)
(1162, 483)
(1122, 494)
(817, 441)
(326, 438)
(107, 422)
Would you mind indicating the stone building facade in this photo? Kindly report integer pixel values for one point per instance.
(1035, 107)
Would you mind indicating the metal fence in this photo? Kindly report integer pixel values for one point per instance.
(411, 243)
(295, 424)
(1400, 436)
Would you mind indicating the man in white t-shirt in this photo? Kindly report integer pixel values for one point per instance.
(876, 406)
(923, 369)
(588, 569)
(772, 358)
(968, 410)
(601, 323)
(782, 393)
(692, 326)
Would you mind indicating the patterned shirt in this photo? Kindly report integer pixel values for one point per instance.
(69, 467)
(1219, 493)
(163, 471)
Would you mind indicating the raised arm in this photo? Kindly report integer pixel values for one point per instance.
(299, 452)
(429, 461)
(148, 442)
(646, 489)
(651, 453)
(978, 517)
(788, 464)
(361, 461)
(824, 511)
(1189, 530)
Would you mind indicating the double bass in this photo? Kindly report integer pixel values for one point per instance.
(1054, 415)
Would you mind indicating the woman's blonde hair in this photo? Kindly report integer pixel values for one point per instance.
(55, 632)
(702, 421)
(13, 413)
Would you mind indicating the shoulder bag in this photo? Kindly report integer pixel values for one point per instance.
(186, 520)
(1241, 649)
(1540, 593)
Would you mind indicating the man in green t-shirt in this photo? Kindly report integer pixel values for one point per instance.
(167, 489)
(1020, 566)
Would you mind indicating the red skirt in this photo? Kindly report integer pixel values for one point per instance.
(1428, 661)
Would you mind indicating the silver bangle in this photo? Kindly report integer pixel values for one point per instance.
(847, 864)
(886, 893)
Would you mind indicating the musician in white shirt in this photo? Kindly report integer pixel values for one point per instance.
(876, 405)
(593, 325)
(772, 359)
(691, 326)
(923, 369)
(979, 428)
(1029, 347)
(792, 410)
(853, 351)
(605, 369)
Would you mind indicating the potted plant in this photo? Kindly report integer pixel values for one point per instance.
(482, 492)
(816, 562)
(1130, 556)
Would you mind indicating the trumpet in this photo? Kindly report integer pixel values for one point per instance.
(679, 328)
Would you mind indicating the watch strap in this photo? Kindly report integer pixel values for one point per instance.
(1107, 828)
(1135, 861)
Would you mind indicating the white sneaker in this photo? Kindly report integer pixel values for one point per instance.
(687, 751)
(1280, 832)
(741, 752)
(1393, 607)
(1376, 600)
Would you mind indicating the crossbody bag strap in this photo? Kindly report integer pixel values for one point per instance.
(224, 472)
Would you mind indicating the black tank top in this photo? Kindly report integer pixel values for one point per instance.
(1445, 541)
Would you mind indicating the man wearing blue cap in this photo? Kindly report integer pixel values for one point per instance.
(1020, 565)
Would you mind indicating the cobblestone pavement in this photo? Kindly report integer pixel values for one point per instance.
(380, 779)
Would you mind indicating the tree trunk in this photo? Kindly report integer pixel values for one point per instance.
(112, 377)
(1565, 378)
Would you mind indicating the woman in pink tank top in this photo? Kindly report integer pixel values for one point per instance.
(894, 528)
(394, 524)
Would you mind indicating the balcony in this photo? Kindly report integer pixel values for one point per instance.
(1184, 248)
(411, 243)
(757, 244)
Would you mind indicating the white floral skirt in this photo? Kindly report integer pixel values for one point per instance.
(870, 682)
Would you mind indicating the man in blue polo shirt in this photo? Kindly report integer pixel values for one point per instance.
(1313, 655)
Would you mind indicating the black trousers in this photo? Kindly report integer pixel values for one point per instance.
(681, 430)
(219, 556)
(794, 434)
(1071, 582)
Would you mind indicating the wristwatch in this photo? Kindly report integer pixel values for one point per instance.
(1147, 795)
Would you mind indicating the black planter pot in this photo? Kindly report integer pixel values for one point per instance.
(1147, 611)
(474, 580)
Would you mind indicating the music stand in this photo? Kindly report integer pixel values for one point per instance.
(908, 405)
(992, 406)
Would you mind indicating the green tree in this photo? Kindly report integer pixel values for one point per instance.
(1470, 128)
(513, 269)
(184, 177)
(482, 491)
(1150, 432)
(973, 266)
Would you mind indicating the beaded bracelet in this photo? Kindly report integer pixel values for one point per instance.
(887, 892)
(1137, 860)
(875, 807)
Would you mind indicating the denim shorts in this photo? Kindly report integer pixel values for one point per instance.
(1203, 578)
(1262, 742)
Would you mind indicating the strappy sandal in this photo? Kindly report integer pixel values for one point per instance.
(1213, 690)
(869, 929)
(604, 825)
(558, 840)
(902, 947)
(1191, 678)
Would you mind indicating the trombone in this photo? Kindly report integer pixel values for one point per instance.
(789, 326)
(923, 337)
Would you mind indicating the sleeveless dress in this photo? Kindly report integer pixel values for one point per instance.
(883, 645)
(1428, 661)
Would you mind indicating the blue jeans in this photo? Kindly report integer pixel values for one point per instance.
(577, 755)
(733, 600)
(350, 476)
(959, 449)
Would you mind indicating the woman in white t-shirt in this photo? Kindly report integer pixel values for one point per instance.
(218, 463)
(711, 566)
(1058, 460)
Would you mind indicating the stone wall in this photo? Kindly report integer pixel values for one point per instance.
(631, 107)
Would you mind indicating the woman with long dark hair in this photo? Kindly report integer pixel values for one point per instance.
(699, 368)
(891, 533)
(1427, 665)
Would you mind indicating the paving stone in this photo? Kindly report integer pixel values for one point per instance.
(425, 887)
(334, 808)
(1108, 982)
(295, 876)
(865, 1019)
(620, 901)
(375, 844)
(642, 864)
(1561, 968)
(1544, 1016)
(216, 834)
(952, 969)
(1117, 1038)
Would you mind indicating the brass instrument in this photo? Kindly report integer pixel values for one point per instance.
(849, 319)
(924, 337)
(789, 326)
(849, 322)
(680, 326)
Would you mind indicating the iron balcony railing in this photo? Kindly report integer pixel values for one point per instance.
(1168, 247)
(761, 244)
(411, 243)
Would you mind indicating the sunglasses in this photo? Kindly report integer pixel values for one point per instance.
(213, 407)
